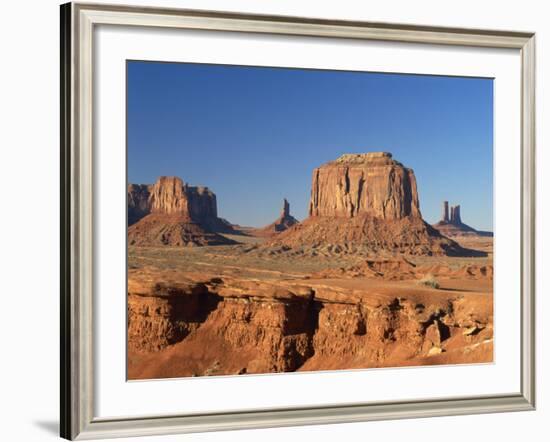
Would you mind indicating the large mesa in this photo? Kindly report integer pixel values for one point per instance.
(364, 184)
(366, 203)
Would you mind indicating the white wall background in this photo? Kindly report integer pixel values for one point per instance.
(29, 233)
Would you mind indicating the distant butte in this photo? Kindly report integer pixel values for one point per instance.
(284, 222)
(171, 212)
(451, 224)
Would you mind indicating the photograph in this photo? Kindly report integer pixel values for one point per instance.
(298, 220)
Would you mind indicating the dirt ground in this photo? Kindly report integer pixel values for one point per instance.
(335, 311)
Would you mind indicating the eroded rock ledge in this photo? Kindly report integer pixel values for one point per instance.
(212, 326)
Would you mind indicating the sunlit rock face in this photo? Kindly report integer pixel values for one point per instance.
(173, 213)
(171, 196)
(362, 204)
(364, 184)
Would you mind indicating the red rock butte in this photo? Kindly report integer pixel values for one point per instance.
(366, 202)
(170, 195)
(368, 183)
(171, 212)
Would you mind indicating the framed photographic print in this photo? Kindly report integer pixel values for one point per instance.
(272, 220)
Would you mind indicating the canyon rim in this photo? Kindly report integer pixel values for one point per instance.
(249, 254)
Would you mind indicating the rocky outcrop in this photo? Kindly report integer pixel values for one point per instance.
(362, 204)
(284, 222)
(455, 215)
(163, 313)
(171, 212)
(364, 184)
(171, 196)
(236, 326)
(285, 213)
(452, 226)
(155, 230)
(445, 212)
(400, 269)
(139, 204)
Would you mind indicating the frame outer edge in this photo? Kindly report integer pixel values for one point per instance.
(528, 158)
(77, 404)
(300, 417)
(65, 207)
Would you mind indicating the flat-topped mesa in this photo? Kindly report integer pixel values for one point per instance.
(374, 158)
(172, 196)
(138, 202)
(364, 184)
(364, 204)
(170, 212)
(169, 197)
(202, 203)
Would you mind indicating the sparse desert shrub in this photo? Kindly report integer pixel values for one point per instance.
(429, 281)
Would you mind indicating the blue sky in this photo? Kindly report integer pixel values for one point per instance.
(254, 135)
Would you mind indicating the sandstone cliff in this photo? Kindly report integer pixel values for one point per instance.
(171, 196)
(139, 203)
(363, 204)
(171, 212)
(236, 326)
(364, 184)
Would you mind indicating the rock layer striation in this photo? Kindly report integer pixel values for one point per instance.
(171, 212)
(364, 184)
(253, 326)
(366, 203)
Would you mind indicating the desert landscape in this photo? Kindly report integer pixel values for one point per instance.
(362, 282)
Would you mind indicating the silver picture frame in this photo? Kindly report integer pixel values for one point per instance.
(78, 21)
